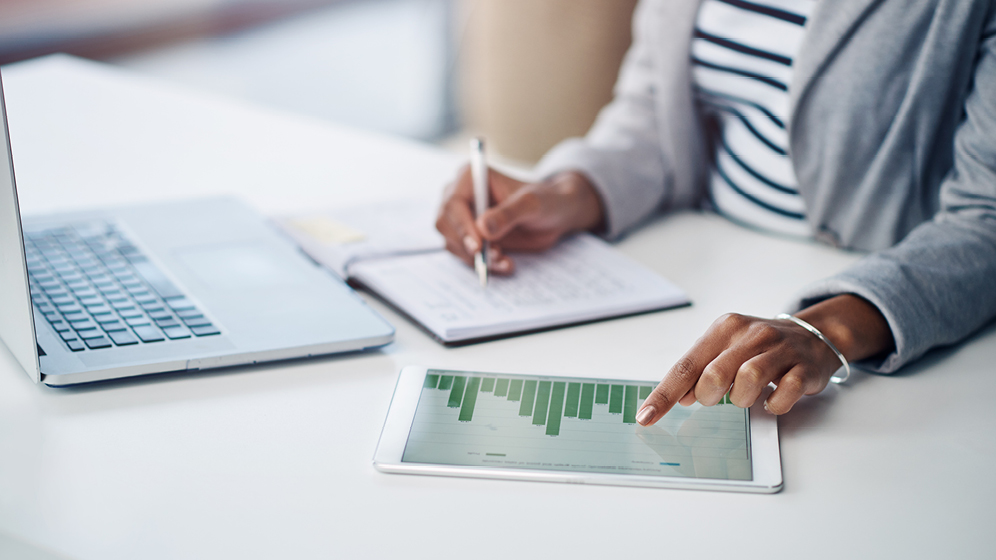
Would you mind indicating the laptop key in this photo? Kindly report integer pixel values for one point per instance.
(74, 316)
(176, 332)
(198, 321)
(60, 326)
(113, 326)
(148, 333)
(205, 330)
(188, 313)
(123, 338)
(181, 304)
(168, 322)
(95, 343)
(75, 345)
(82, 325)
(137, 321)
(68, 335)
(88, 334)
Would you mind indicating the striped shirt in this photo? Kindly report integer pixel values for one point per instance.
(741, 68)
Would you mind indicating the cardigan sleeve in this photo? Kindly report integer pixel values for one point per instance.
(938, 285)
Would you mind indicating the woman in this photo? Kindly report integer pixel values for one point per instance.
(865, 124)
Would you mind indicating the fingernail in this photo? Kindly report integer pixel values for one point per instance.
(470, 245)
(503, 265)
(645, 415)
(766, 409)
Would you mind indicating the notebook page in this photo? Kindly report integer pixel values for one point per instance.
(581, 279)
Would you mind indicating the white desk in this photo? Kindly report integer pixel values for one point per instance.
(274, 461)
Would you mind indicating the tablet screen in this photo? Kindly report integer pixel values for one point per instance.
(572, 424)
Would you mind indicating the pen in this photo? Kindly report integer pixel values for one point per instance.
(479, 173)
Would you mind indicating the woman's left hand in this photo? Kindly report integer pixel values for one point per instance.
(742, 355)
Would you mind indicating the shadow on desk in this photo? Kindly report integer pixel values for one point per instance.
(217, 383)
(940, 375)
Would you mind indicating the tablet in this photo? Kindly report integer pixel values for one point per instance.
(571, 429)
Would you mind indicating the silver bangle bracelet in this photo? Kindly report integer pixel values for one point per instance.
(815, 331)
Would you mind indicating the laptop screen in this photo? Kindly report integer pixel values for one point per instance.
(17, 320)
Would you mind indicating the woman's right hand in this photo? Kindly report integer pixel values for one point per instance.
(521, 216)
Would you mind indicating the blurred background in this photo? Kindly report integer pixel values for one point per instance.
(523, 73)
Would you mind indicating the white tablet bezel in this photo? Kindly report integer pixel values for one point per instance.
(765, 456)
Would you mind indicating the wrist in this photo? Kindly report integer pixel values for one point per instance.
(588, 214)
(855, 326)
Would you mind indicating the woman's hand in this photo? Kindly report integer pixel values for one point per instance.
(522, 216)
(743, 355)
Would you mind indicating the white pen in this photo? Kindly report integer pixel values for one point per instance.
(479, 173)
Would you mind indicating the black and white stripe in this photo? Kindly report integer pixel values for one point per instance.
(742, 56)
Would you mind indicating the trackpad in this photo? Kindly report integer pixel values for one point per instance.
(240, 266)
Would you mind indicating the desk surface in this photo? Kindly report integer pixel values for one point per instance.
(275, 461)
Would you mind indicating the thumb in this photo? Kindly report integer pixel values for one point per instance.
(514, 210)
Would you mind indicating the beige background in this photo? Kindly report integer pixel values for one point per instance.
(534, 72)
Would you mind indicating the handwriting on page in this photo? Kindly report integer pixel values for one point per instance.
(580, 279)
(561, 276)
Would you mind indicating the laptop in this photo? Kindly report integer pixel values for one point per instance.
(178, 286)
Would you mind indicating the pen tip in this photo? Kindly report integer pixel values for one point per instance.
(482, 270)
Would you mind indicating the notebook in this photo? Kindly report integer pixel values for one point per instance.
(392, 251)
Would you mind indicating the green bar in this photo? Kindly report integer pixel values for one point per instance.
(456, 393)
(602, 394)
(573, 394)
(445, 382)
(556, 408)
(501, 388)
(515, 391)
(528, 396)
(645, 392)
(487, 384)
(615, 399)
(542, 403)
(470, 399)
(629, 404)
(587, 400)
(431, 380)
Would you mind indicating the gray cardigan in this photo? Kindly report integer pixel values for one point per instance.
(892, 136)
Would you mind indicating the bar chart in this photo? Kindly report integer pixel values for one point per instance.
(545, 401)
(573, 424)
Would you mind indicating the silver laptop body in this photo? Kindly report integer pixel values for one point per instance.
(177, 286)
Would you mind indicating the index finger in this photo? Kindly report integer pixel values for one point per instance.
(679, 380)
(455, 219)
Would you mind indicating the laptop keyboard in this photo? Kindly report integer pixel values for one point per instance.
(98, 290)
